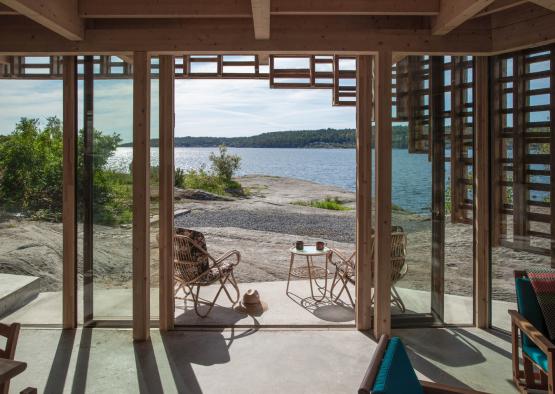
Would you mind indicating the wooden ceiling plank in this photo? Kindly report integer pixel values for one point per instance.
(59, 16)
(261, 19)
(549, 4)
(453, 13)
(355, 7)
(242, 8)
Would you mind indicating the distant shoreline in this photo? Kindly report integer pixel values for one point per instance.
(302, 139)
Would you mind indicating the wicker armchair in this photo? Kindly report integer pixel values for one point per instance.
(194, 268)
(345, 267)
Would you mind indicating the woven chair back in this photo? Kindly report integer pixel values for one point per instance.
(190, 253)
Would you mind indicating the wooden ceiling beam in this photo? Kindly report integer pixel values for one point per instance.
(453, 13)
(60, 16)
(290, 35)
(261, 19)
(242, 8)
(6, 10)
(500, 5)
(549, 4)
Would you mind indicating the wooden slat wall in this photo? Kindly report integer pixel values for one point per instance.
(69, 214)
(141, 196)
(523, 137)
(364, 193)
(166, 126)
(462, 138)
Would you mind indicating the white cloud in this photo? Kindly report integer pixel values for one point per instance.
(203, 107)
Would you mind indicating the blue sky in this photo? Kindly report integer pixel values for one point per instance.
(203, 107)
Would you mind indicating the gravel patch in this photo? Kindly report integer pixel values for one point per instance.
(336, 228)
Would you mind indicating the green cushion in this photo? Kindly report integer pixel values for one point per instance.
(396, 374)
(536, 355)
(529, 307)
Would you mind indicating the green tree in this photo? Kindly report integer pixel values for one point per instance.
(31, 178)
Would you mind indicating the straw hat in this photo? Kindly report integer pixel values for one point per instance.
(251, 304)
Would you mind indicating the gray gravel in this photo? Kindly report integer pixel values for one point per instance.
(336, 228)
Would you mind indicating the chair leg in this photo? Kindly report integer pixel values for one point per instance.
(233, 281)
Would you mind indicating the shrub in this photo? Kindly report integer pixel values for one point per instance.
(217, 180)
(224, 165)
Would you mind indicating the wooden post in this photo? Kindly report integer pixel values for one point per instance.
(364, 193)
(69, 211)
(141, 194)
(481, 218)
(437, 149)
(88, 174)
(382, 246)
(166, 126)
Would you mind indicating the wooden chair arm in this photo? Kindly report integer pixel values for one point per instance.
(438, 388)
(372, 370)
(532, 332)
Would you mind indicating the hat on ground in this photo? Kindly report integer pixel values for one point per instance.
(251, 304)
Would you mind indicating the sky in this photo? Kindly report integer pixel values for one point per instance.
(225, 108)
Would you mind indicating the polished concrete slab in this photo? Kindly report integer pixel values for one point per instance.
(249, 360)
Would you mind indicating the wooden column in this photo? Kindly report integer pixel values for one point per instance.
(438, 185)
(141, 194)
(364, 193)
(382, 246)
(481, 187)
(88, 175)
(69, 212)
(166, 127)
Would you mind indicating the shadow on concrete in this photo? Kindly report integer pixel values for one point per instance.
(147, 368)
(326, 310)
(82, 365)
(483, 342)
(60, 365)
(445, 346)
(218, 316)
(187, 348)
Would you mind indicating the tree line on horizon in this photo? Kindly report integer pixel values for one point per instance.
(323, 138)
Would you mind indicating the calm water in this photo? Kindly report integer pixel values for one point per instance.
(411, 173)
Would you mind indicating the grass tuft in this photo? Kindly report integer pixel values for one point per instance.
(328, 203)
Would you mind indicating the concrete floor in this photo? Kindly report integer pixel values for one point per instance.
(249, 361)
(296, 308)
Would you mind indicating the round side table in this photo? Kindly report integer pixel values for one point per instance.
(310, 271)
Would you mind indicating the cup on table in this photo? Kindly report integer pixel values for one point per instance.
(299, 245)
(320, 245)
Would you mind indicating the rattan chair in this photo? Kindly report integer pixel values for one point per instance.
(194, 268)
(345, 267)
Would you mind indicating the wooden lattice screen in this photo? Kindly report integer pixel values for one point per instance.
(461, 136)
(523, 135)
